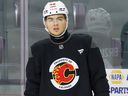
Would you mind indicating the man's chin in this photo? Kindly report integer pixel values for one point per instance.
(56, 35)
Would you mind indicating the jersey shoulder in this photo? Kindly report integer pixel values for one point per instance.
(82, 39)
(38, 46)
(81, 35)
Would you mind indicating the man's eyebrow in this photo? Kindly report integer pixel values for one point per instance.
(49, 18)
(60, 17)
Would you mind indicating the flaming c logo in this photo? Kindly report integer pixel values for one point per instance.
(64, 74)
(60, 73)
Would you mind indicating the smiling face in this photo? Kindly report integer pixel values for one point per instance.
(56, 24)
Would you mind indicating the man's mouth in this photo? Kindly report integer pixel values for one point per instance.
(56, 29)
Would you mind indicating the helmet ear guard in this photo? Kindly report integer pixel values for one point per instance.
(54, 8)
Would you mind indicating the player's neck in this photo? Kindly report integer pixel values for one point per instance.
(60, 39)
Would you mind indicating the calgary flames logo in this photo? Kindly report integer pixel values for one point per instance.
(63, 72)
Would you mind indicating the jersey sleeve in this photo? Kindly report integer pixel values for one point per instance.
(97, 71)
(33, 74)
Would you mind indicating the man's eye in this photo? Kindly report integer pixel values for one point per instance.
(60, 19)
(49, 19)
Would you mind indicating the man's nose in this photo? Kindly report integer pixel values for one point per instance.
(55, 22)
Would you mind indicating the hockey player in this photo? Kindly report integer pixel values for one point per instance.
(64, 64)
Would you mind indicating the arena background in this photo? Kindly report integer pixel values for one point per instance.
(21, 25)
